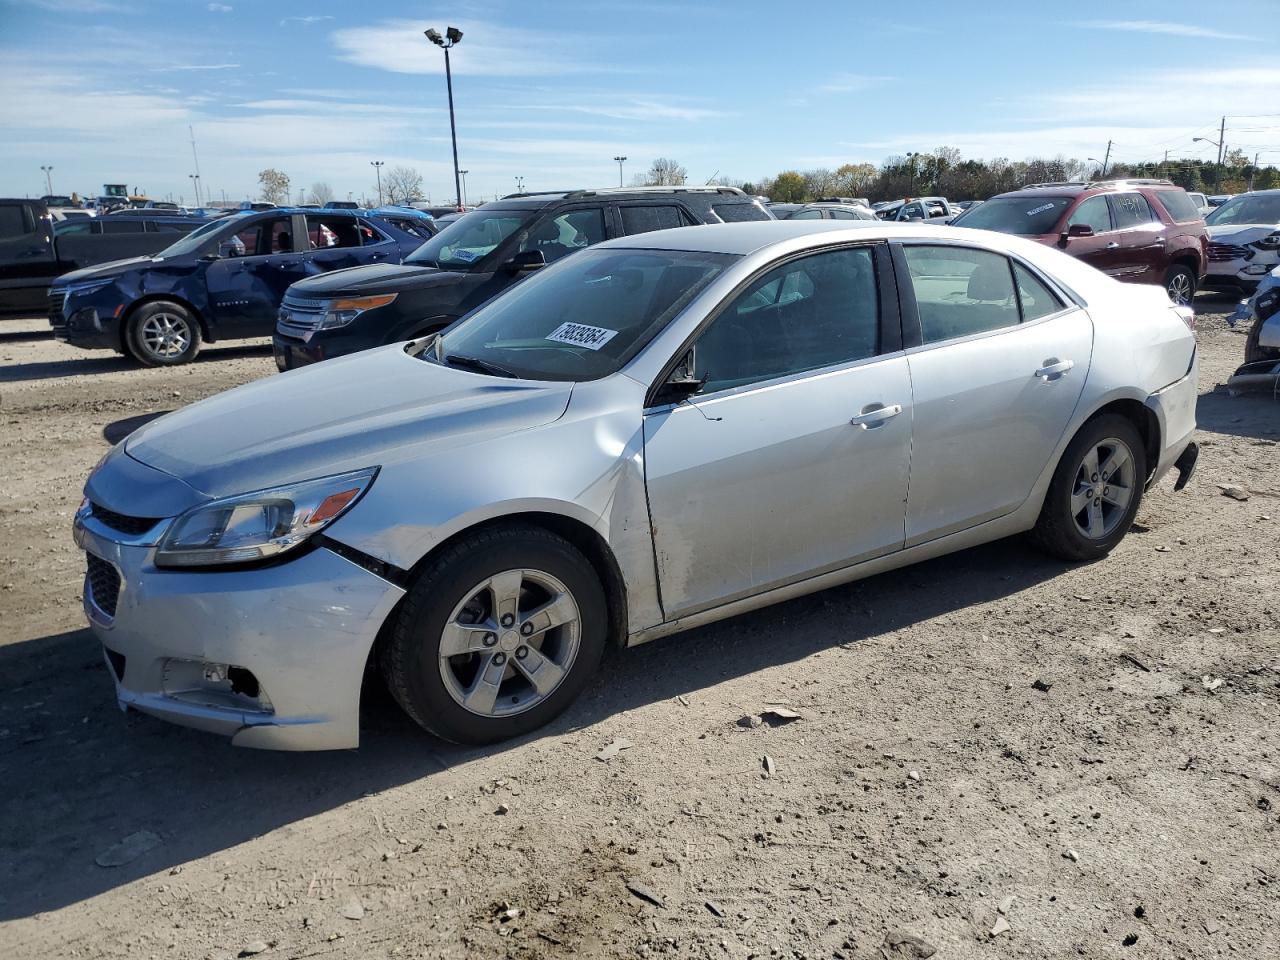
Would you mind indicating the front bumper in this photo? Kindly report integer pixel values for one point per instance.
(90, 321)
(1175, 409)
(301, 629)
(1240, 274)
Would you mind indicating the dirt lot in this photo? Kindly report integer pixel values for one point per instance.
(1124, 806)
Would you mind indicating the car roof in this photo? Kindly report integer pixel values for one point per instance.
(747, 237)
(640, 193)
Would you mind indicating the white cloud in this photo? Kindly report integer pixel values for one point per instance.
(852, 83)
(80, 6)
(305, 21)
(1162, 27)
(198, 66)
(487, 48)
(219, 8)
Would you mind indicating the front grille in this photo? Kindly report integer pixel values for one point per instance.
(56, 319)
(1220, 252)
(130, 526)
(102, 580)
(299, 316)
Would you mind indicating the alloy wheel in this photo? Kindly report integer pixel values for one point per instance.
(1103, 488)
(510, 643)
(166, 336)
(1180, 290)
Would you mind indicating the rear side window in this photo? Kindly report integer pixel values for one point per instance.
(1179, 205)
(806, 215)
(13, 221)
(123, 226)
(1131, 210)
(1036, 299)
(325, 232)
(642, 219)
(961, 291)
(738, 212)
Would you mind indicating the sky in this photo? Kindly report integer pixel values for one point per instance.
(105, 91)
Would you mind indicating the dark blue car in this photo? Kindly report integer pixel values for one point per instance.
(222, 281)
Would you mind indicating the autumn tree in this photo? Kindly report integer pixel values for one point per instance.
(665, 173)
(788, 187)
(274, 186)
(402, 184)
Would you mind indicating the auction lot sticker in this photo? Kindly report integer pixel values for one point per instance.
(580, 335)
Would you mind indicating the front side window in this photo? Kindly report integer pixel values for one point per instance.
(911, 210)
(1093, 213)
(466, 241)
(13, 221)
(649, 217)
(195, 240)
(573, 230)
(806, 314)
(961, 291)
(582, 318)
(263, 238)
(1023, 216)
(1131, 210)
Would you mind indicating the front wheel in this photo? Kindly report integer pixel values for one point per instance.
(1095, 491)
(163, 334)
(1180, 284)
(497, 636)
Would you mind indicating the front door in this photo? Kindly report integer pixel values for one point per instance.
(1102, 249)
(27, 262)
(793, 458)
(245, 289)
(996, 378)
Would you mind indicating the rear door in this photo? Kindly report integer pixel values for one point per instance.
(27, 261)
(245, 289)
(996, 375)
(1142, 239)
(644, 216)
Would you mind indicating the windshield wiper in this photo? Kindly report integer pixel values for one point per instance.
(475, 363)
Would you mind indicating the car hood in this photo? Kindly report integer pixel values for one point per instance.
(1241, 233)
(368, 409)
(104, 271)
(374, 278)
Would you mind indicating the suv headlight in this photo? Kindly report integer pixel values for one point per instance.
(339, 313)
(84, 286)
(262, 524)
(1271, 242)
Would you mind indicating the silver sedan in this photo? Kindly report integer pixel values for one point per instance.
(656, 433)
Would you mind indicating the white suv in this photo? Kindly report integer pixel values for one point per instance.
(1244, 240)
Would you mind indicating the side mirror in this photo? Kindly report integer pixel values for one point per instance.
(1079, 230)
(681, 384)
(526, 260)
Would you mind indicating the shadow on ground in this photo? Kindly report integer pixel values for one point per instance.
(112, 363)
(80, 775)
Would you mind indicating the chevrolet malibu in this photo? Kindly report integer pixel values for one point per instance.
(660, 432)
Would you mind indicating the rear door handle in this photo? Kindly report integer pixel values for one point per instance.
(875, 415)
(1113, 245)
(1054, 369)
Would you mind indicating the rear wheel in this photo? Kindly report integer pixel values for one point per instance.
(497, 636)
(1095, 491)
(1180, 284)
(163, 334)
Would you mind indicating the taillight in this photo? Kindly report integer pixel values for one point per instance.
(1187, 314)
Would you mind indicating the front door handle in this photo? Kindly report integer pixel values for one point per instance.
(875, 415)
(1054, 369)
(1113, 245)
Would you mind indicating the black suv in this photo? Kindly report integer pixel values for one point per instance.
(476, 257)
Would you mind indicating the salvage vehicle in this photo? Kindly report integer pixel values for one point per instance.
(936, 209)
(1138, 231)
(478, 256)
(1261, 369)
(822, 210)
(653, 434)
(1244, 240)
(225, 279)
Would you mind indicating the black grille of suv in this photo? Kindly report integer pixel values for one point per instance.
(56, 319)
(1221, 252)
(102, 580)
(131, 526)
(299, 316)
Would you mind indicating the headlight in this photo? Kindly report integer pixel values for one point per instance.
(339, 313)
(1268, 243)
(266, 523)
(85, 286)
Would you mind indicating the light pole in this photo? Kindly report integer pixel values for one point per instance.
(48, 177)
(195, 182)
(619, 161)
(1221, 144)
(519, 184)
(462, 201)
(378, 165)
(452, 36)
(912, 158)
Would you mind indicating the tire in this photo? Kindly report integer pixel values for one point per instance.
(448, 695)
(162, 334)
(1180, 284)
(1060, 530)
(1253, 350)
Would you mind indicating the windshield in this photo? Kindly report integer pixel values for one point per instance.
(582, 318)
(469, 238)
(194, 240)
(1025, 216)
(1261, 208)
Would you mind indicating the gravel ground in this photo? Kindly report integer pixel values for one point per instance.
(998, 754)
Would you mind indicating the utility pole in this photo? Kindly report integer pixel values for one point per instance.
(1106, 157)
(378, 165)
(620, 161)
(462, 200)
(1253, 169)
(1222, 153)
(48, 177)
(196, 158)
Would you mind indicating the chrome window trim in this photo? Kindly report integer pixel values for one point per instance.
(983, 334)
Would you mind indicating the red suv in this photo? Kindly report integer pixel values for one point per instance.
(1139, 231)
